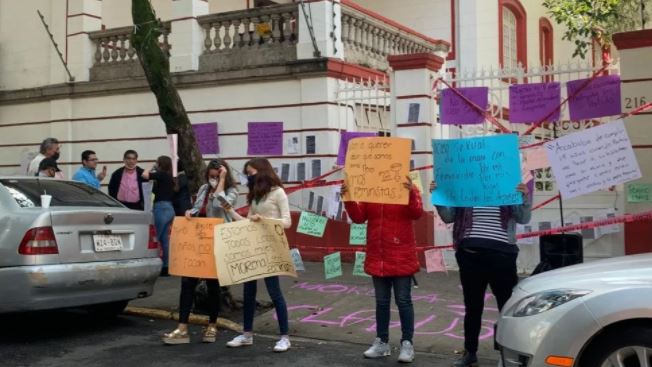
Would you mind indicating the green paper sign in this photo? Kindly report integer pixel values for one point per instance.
(312, 224)
(639, 193)
(333, 265)
(358, 267)
(358, 234)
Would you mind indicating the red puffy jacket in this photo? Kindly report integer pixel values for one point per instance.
(391, 246)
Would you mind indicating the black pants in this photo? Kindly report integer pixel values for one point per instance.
(133, 206)
(187, 298)
(479, 268)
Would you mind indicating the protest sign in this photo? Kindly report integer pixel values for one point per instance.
(358, 234)
(332, 265)
(345, 137)
(265, 138)
(297, 260)
(358, 267)
(601, 97)
(455, 110)
(206, 137)
(530, 103)
(593, 159)
(639, 193)
(434, 261)
(415, 176)
(376, 168)
(191, 247)
(312, 224)
(246, 250)
(536, 158)
(480, 171)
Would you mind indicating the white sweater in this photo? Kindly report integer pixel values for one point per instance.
(274, 205)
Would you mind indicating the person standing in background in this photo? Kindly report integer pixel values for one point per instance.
(49, 148)
(126, 183)
(86, 173)
(182, 201)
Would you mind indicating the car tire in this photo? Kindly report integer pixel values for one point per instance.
(624, 340)
(107, 310)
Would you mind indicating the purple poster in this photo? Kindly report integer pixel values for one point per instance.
(265, 138)
(529, 103)
(456, 111)
(344, 143)
(206, 137)
(599, 98)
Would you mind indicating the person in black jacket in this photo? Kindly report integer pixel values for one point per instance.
(181, 201)
(126, 184)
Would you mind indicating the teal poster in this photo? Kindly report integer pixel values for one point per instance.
(482, 171)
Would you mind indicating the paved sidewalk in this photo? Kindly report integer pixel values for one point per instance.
(342, 309)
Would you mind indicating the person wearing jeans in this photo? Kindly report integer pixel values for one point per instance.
(391, 260)
(266, 199)
(485, 242)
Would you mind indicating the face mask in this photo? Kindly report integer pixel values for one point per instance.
(55, 156)
(251, 179)
(212, 182)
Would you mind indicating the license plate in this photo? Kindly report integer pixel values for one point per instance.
(104, 243)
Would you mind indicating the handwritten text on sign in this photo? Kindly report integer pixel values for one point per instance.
(601, 97)
(246, 250)
(312, 224)
(265, 138)
(593, 159)
(376, 169)
(456, 110)
(477, 171)
(533, 102)
(206, 137)
(639, 193)
(191, 247)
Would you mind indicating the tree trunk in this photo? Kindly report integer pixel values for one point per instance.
(156, 65)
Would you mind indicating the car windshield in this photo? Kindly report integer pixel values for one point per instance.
(27, 193)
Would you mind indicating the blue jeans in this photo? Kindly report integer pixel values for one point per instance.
(163, 217)
(403, 296)
(274, 289)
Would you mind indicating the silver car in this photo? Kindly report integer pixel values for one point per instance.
(85, 249)
(597, 314)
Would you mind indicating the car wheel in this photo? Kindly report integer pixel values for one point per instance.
(631, 347)
(107, 310)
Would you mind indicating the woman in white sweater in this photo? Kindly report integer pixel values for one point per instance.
(266, 199)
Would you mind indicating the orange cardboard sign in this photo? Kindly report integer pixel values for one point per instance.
(376, 168)
(191, 247)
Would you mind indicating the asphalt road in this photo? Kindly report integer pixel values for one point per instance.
(69, 338)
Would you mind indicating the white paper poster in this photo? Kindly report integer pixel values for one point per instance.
(173, 144)
(593, 159)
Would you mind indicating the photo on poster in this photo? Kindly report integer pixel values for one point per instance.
(301, 171)
(413, 114)
(311, 144)
(285, 172)
(316, 168)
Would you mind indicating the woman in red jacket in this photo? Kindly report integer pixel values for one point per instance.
(391, 261)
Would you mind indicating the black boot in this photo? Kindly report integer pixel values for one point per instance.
(467, 359)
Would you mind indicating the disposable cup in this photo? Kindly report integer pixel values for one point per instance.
(45, 201)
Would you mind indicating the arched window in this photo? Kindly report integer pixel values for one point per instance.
(546, 56)
(512, 40)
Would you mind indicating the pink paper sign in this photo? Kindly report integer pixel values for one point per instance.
(455, 110)
(265, 138)
(536, 158)
(529, 103)
(434, 261)
(345, 136)
(206, 137)
(601, 97)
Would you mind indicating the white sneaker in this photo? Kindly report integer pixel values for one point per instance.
(378, 349)
(240, 341)
(407, 352)
(282, 345)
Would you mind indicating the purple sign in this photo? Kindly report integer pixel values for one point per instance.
(206, 137)
(529, 103)
(601, 97)
(344, 143)
(265, 138)
(456, 111)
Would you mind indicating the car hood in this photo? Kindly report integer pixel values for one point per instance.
(635, 270)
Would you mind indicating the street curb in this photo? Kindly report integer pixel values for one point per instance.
(169, 315)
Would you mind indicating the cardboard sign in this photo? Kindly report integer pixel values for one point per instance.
(191, 247)
(206, 137)
(297, 260)
(480, 171)
(639, 193)
(332, 265)
(312, 224)
(434, 261)
(376, 168)
(246, 250)
(456, 111)
(593, 159)
(358, 234)
(345, 137)
(358, 267)
(601, 97)
(529, 103)
(265, 138)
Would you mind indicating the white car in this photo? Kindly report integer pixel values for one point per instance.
(597, 314)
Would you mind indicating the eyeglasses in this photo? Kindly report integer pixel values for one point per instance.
(93, 160)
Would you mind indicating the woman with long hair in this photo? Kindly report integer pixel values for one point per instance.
(266, 199)
(163, 209)
(218, 186)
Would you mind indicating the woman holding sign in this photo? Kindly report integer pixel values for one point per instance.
(485, 242)
(219, 187)
(266, 199)
(392, 261)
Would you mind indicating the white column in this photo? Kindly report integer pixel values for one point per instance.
(83, 16)
(327, 30)
(187, 36)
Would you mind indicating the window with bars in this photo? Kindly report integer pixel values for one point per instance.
(510, 44)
